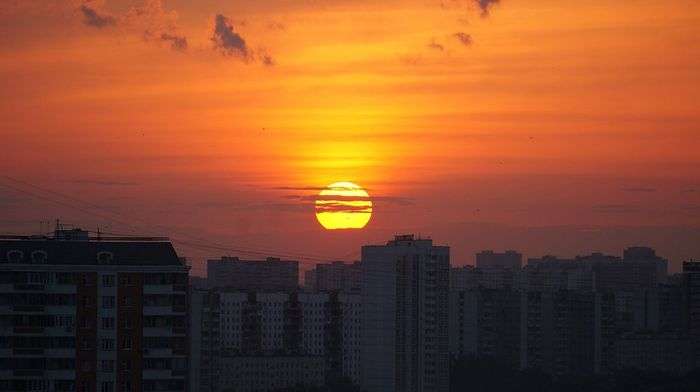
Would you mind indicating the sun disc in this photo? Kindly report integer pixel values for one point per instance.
(343, 205)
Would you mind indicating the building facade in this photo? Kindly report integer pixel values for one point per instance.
(92, 314)
(485, 323)
(405, 300)
(335, 276)
(271, 274)
(306, 338)
(489, 259)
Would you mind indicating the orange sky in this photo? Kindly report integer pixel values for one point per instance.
(551, 114)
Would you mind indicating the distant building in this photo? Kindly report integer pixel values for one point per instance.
(268, 373)
(641, 254)
(485, 323)
(305, 338)
(559, 332)
(335, 276)
(271, 274)
(551, 273)
(92, 314)
(594, 272)
(489, 259)
(691, 304)
(669, 353)
(405, 297)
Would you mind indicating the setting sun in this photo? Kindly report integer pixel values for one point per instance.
(343, 205)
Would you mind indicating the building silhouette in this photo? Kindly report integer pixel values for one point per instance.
(92, 314)
(261, 341)
(270, 274)
(405, 290)
(335, 276)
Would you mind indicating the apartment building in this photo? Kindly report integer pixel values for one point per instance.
(87, 314)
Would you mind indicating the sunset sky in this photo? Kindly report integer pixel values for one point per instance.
(545, 126)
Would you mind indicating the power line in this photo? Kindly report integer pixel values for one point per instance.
(194, 242)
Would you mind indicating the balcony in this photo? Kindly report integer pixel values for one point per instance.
(29, 287)
(29, 373)
(28, 308)
(28, 351)
(26, 329)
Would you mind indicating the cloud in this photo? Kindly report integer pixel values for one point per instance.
(156, 24)
(639, 189)
(436, 46)
(337, 198)
(485, 6)
(276, 26)
(464, 38)
(342, 207)
(227, 40)
(615, 209)
(92, 18)
(176, 42)
(104, 182)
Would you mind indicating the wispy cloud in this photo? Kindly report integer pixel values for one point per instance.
(176, 42)
(103, 182)
(436, 46)
(639, 189)
(485, 6)
(94, 19)
(227, 40)
(615, 209)
(464, 38)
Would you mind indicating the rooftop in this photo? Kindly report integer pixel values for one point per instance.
(76, 247)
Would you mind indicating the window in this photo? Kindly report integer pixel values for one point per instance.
(107, 366)
(107, 344)
(86, 366)
(39, 257)
(126, 322)
(105, 258)
(85, 300)
(126, 343)
(126, 386)
(107, 322)
(85, 323)
(107, 280)
(126, 279)
(125, 365)
(108, 302)
(15, 256)
(107, 386)
(126, 301)
(85, 344)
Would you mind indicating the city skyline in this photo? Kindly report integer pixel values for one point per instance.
(539, 126)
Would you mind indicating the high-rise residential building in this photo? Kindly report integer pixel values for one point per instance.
(654, 352)
(559, 333)
(594, 272)
(468, 277)
(335, 276)
(489, 259)
(642, 254)
(92, 314)
(551, 273)
(405, 297)
(691, 304)
(613, 274)
(271, 274)
(485, 323)
(260, 341)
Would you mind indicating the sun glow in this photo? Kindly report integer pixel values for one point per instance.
(343, 205)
